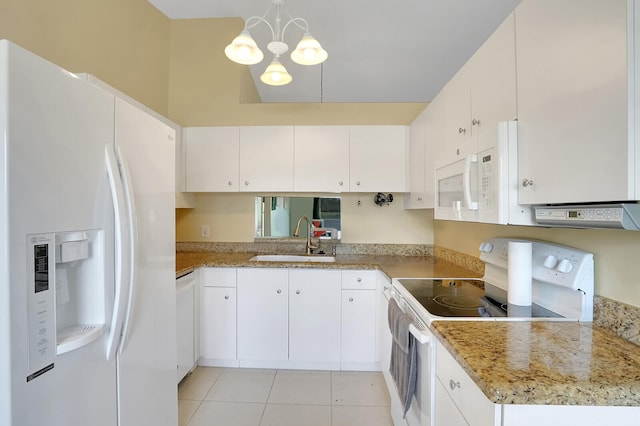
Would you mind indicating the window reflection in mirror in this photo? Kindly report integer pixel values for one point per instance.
(278, 216)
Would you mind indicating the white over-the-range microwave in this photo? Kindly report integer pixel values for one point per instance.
(483, 186)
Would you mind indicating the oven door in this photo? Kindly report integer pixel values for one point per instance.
(457, 190)
(421, 411)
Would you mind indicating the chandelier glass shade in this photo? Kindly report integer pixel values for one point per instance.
(244, 50)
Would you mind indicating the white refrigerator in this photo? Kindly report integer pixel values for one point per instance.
(87, 253)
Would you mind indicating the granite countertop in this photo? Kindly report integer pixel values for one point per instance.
(542, 362)
(392, 266)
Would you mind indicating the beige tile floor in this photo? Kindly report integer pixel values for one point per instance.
(253, 397)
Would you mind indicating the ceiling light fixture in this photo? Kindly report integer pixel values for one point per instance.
(244, 50)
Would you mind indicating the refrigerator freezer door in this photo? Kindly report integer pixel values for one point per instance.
(54, 127)
(147, 362)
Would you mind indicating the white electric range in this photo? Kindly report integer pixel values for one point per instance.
(562, 290)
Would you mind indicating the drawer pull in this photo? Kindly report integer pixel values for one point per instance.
(359, 279)
(278, 291)
(453, 384)
(226, 297)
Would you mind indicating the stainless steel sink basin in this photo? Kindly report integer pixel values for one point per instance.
(292, 258)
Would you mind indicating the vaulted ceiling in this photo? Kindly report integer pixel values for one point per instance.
(379, 50)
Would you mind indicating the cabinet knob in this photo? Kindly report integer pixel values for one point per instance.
(226, 297)
(297, 291)
(359, 279)
(527, 182)
(458, 151)
(278, 291)
(358, 183)
(475, 122)
(351, 299)
(453, 384)
(246, 183)
(461, 130)
(419, 199)
(229, 183)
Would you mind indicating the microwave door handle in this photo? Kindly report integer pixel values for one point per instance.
(471, 205)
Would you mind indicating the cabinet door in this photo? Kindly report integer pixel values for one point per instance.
(211, 158)
(433, 143)
(416, 162)
(493, 84)
(377, 158)
(358, 343)
(476, 408)
(262, 314)
(321, 159)
(314, 315)
(218, 323)
(457, 140)
(446, 412)
(266, 158)
(572, 109)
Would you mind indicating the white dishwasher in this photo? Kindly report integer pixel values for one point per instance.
(185, 324)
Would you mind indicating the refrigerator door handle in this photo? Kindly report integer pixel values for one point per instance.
(122, 259)
(133, 246)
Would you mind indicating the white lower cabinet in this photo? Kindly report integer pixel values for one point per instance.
(314, 319)
(307, 319)
(358, 340)
(447, 413)
(263, 317)
(218, 317)
(458, 400)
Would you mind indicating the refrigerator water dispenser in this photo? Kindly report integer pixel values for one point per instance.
(66, 281)
(79, 289)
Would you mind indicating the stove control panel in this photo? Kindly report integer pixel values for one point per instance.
(551, 263)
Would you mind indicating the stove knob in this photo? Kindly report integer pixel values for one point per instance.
(565, 266)
(550, 261)
(486, 247)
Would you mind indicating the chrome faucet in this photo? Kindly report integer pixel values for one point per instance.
(309, 246)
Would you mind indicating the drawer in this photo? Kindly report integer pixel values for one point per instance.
(359, 280)
(218, 277)
(470, 400)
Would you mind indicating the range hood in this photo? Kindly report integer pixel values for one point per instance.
(606, 216)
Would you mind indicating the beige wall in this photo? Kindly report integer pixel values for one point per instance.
(231, 218)
(122, 42)
(616, 253)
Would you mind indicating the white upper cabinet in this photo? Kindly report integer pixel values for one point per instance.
(377, 158)
(321, 159)
(266, 158)
(573, 139)
(492, 71)
(425, 138)
(479, 96)
(415, 162)
(456, 98)
(211, 158)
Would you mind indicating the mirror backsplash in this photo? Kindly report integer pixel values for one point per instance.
(277, 217)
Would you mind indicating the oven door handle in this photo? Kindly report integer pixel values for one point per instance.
(419, 334)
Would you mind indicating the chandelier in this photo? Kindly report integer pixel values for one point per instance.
(244, 50)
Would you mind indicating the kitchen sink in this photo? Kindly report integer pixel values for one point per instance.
(292, 258)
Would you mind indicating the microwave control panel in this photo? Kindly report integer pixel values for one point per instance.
(487, 181)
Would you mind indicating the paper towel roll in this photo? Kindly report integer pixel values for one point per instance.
(519, 273)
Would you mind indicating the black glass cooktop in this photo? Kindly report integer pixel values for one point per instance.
(467, 298)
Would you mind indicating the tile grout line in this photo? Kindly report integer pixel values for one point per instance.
(266, 402)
